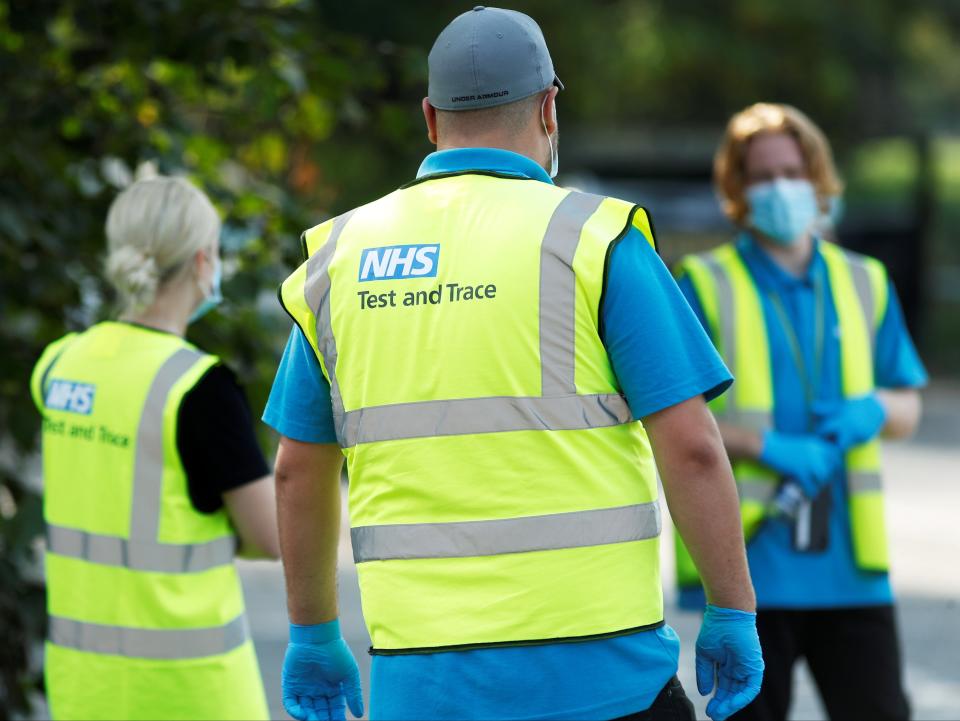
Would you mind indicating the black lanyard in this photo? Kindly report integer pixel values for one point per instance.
(809, 377)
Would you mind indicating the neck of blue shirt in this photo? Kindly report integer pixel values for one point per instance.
(487, 160)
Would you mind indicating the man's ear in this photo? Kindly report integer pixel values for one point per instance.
(430, 115)
(549, 108)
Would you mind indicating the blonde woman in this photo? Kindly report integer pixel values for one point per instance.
(152, 483)
(824, 368)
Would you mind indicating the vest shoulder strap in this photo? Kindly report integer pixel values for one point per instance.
(41, 371)
(312, 239)
(705, 270)
(637, 217)
(317, 245)
(643, 222)
(737, 326)
(870, 280)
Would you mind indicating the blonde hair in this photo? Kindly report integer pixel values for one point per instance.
(729, 162)
(153, 228)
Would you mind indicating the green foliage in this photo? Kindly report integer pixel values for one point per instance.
(281, 120)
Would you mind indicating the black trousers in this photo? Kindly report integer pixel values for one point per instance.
(853, 654)
(671, 704)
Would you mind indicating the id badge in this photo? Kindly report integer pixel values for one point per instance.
(811, 525)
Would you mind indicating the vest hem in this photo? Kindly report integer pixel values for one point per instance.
(507, 644)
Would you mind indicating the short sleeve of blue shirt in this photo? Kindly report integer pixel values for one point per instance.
(659, 351)
(299, 404)
(897, 363)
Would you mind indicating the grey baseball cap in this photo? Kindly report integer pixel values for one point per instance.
(488, 57)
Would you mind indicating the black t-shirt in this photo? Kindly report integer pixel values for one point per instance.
(216, 441)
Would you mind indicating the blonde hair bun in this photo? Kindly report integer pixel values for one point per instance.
(154, 228)
(134, 274)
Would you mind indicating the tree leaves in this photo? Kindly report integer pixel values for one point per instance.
(255, 102)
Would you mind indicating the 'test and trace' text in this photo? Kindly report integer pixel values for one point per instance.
(443, 293)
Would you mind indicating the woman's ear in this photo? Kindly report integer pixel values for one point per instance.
(200, 260)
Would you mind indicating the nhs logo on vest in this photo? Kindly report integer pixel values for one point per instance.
(399, 261)
(71, 397)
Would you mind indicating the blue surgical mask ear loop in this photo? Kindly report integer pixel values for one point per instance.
(214, 297)
(554, 155)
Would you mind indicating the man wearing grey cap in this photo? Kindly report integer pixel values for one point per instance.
(504, 364)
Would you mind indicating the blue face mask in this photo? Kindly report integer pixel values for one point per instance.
(837, 208)
(826, 225)
(783, 210)
(214, 297)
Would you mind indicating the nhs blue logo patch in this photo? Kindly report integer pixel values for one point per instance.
(71, 397)
(399, 261)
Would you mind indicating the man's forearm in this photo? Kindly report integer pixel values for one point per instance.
(308, 509)
(702, 498)
(704, 506)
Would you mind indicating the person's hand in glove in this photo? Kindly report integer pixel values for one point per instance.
(320, 674)
(851, 422)
(809, 460)
(728, 657)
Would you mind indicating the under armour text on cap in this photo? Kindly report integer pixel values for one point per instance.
(488, 57)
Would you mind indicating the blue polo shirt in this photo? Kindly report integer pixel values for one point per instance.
(783, 577)
(661, 356)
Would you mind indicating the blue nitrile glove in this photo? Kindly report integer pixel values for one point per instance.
(728, 651)
(850, 422)
(320, 675)
(811, 461)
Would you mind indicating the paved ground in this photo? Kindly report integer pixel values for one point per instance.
(923, 480)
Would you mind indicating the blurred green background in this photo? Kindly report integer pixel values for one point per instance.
(287, 112)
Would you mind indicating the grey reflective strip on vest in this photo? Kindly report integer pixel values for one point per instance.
(160, 644)
(316, 291)
(759, 491)
(148, 461)
(510, 535)
(726, 310)
(140, 555)
(733, 414)
(864, 289)
(864, 481)
(559, 409)
(753, 420)
(142, 551)
(483, 415)
(558, 293)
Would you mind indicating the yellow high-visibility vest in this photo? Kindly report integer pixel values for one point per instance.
(146, 611)
(735, 319)
(500, 491)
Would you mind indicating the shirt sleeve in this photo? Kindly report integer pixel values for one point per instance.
(660, 352)
(299, 406)
(216, 440)
(897, 363)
